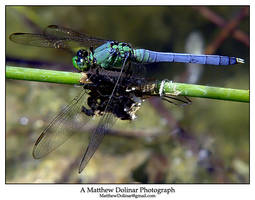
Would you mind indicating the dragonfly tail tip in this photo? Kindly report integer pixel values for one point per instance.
(240, 60)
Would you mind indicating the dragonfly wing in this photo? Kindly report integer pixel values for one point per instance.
(138, 70)
(106, 122)
(39, 40)
(57, 37)
(82, 39)
(61, 127)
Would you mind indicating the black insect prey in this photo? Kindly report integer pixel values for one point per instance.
(124, 103)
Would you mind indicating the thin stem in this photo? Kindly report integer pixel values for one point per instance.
(169, 87)
(50, 76)
(201, 91)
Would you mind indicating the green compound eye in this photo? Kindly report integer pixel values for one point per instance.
(80, 63)
(74, 59)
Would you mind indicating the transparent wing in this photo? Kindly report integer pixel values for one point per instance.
(105, 123)
(61, 127)
(66, 33)
(40, 40)
(137, 70)
(56, 37)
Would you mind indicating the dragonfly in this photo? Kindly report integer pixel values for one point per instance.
(108, 95)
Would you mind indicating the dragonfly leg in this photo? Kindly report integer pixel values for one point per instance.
(92, 50)
(88, 112)
(128, 70)
(185, 101)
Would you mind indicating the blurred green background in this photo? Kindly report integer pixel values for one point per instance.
(219, 149)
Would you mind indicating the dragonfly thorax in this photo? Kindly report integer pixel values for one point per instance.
(112, 54)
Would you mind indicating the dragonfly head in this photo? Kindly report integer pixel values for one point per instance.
(81, 60)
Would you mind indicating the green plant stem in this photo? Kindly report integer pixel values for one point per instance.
(202, 91)
(42, 75)
(169, 87)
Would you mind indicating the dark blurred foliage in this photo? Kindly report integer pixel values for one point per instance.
(206, 142)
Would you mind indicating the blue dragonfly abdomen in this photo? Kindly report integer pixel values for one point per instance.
(147, 56)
